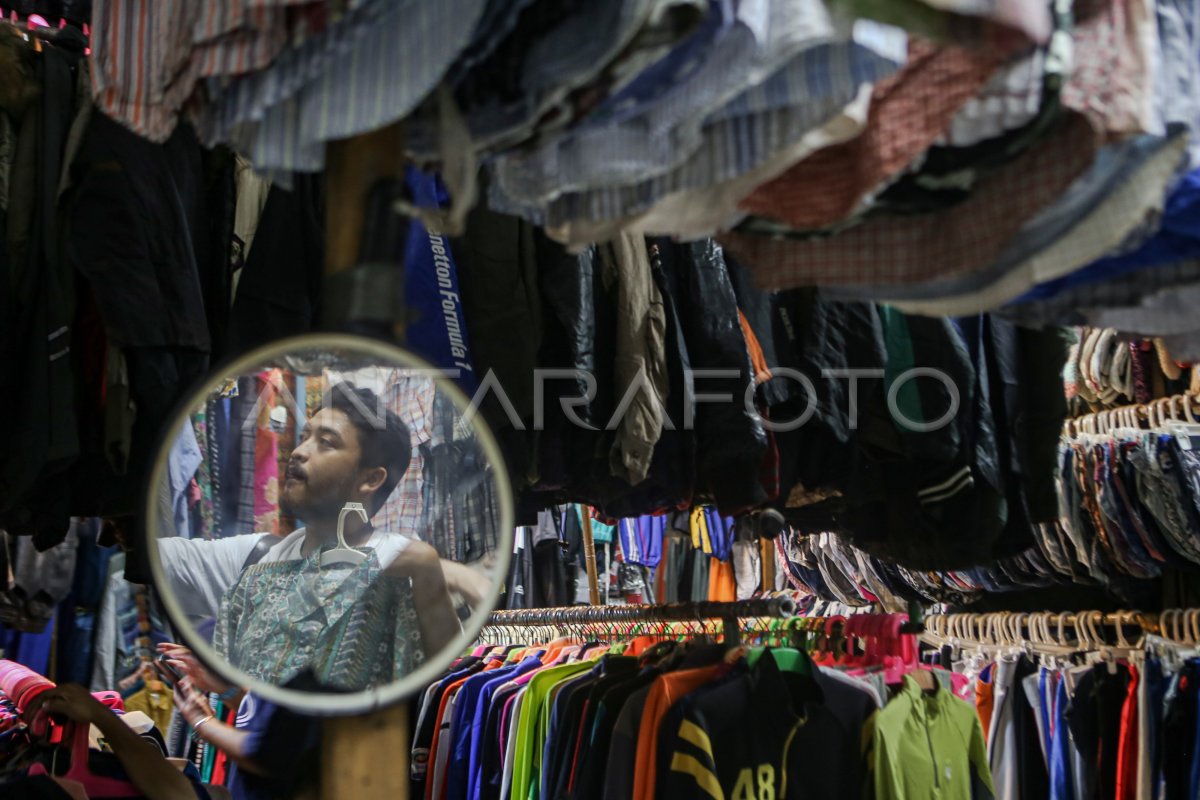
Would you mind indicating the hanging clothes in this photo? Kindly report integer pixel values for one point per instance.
(631, 718)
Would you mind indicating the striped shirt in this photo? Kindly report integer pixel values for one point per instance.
(814, 86)
(148, 58)
(762, 40)
(368, 70)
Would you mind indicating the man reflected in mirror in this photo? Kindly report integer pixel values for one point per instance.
(353, 450)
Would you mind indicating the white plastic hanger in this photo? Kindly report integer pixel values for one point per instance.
(343, 553)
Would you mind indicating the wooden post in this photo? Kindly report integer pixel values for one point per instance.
(766, 550)
(366, 756)
(352, 166)
(589, 555)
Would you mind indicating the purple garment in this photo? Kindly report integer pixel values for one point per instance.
(472, 748)
(642, 538)
(720, 533)
(506, 721)
(30, 649)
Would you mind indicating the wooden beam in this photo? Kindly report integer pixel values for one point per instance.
(589, 555)
(352, 166)
(366, 756)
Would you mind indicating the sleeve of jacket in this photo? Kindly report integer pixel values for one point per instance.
(693, 768)
(731, 439)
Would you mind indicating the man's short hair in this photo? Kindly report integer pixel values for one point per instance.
(382, 435)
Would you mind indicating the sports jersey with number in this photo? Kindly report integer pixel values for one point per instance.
(765, 734)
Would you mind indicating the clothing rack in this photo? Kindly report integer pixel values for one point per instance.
(728, 613)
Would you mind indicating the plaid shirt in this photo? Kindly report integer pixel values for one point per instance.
(1121, 212)
(1111, 75)
(736, 77)
(460, 512)
(910, 249)
(412, 400)
(1109, 81)
(909, 111)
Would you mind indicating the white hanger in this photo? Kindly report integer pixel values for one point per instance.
(343, 553)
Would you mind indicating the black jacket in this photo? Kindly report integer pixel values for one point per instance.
(37, 414)
(763, 732)
(928, 499)
(279, 292)
(730, 440)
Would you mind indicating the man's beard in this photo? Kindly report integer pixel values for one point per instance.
(323, 506)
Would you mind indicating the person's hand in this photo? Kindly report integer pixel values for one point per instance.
(431, 598)
(71, 701)
(192, 705)
(185, 661)
(467, 582)
(417, 560)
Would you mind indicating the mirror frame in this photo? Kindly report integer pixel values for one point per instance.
(329, 703)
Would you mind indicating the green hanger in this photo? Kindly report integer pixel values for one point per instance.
(788, 659)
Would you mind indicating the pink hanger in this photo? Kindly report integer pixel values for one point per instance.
(96, 785)
(853, 629)
(870, 627)
(896, 665)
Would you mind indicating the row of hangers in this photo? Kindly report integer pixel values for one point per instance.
(1042, 630)
(604, 631)
(861, 639)
(1157, 414)
(761, 630)
(1173, 634)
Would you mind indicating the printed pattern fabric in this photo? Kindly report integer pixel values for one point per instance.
(205, 479)
(353, 627)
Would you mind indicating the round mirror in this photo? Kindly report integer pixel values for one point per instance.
(329, 523)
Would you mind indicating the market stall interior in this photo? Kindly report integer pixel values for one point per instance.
(521, 399)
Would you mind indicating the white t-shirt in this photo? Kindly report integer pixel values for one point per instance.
(200, 571)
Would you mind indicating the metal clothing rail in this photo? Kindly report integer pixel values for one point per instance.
(671, 612)
(581, 616)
